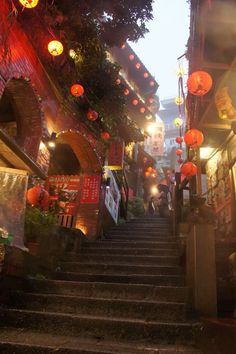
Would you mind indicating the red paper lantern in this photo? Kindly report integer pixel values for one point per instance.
(179, 139)
(199, 83)
(105, 135)
(135, 102)
(142, 110)
(193, 138)
(92, 115)
(138, 66)
(33, 195)
(126, 92)
(118, 81)
(131, 57)
(77, 90)
(188, 169)
(145, 75)
(178, 152)
(146, 173)
(152, 83)
(150, 169)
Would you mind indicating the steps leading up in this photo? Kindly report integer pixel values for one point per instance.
(124, 294)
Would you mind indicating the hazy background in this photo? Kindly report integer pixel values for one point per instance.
(166, 41)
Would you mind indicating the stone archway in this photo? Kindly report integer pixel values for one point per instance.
(20, 115)
(85, 153)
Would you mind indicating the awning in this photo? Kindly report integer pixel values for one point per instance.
(11, 155)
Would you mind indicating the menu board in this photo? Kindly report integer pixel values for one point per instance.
(63, 194)
(91, 189)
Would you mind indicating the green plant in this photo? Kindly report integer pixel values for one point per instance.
(136, 207)
(38, 224)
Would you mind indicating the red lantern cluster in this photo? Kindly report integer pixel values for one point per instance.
(199, 83)
(37, 196)
(188, 169)
(92, 115)
(178, 152)
(193, 138)
(150, 171)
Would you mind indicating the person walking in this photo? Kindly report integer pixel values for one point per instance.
(163, 201)
(151, 206)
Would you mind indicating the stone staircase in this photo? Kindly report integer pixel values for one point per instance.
(123, 294)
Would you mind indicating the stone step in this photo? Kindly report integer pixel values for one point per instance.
(120, 308)
(133, 238)
(100, 327)
(129, 251)
(166, 280)
(124, 259)
(131, 244)
(119, 269)
(110, 290)
(18, 341)
(141, 227)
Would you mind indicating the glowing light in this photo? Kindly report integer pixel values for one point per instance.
(179, 100)
(178, 122)
(142, 110)
(135, 102)
(72, 53)
(205, 152)
(154, 190)
(180, 72)
(151, 128)
(118, 81)
(55, 48)
(30, 4)
(52, 144)
(138, 66)
(126, 92)
(145, 75)
(131, 57)
(152, 83)
(77, 90)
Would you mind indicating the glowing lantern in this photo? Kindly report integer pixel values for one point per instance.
(199, 83)
(152, 83)
(55, 48)
(178, 122)
(123, 46)
(188, 169)
(105, 135)
(151, 100)
(92, 115)
(146, 173)
(138, 66)
(33, 195)
(131, 57)
(142, 110)
(179, 139)
(179, 100)
(118, 81)
(135, 102)
(77, 90)
(29, 3)
(145, 75)
(150, 169)
(126, 92)
(178, 152)
(193, 138)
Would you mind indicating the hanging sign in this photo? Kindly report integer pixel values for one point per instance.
(112, 197)
(116, 155)
(91, 189)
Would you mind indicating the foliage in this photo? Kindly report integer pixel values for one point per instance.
(116, 20)
(38, 223)
(136, 207)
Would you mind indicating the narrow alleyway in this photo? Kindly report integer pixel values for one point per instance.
(124, 294)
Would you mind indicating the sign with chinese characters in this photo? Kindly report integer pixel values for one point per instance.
(112, 197)
(63, 194)
(116, 155)
(91, 189)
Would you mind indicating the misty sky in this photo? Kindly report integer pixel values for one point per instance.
(165, 42)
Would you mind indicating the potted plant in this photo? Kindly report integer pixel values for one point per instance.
(38, 226)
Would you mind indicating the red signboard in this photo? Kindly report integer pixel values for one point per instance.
(91, 189)
(116, 155)
(63, 191)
